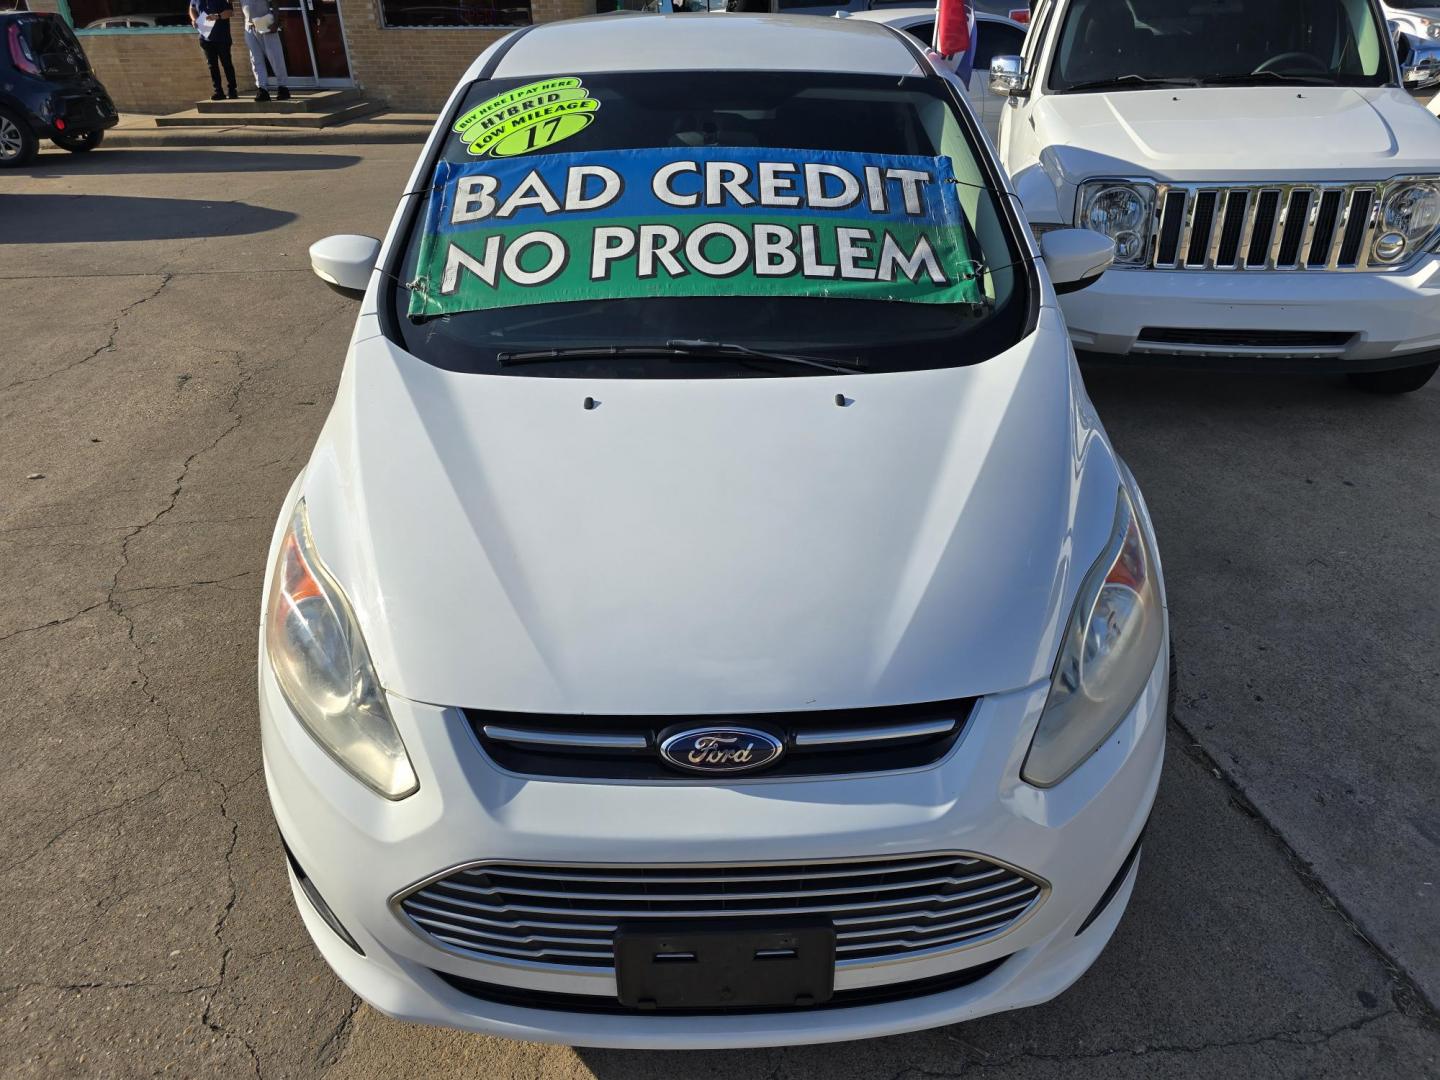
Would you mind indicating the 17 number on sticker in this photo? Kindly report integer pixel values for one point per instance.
(541, 133)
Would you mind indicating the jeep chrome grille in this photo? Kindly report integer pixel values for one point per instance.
(882, 909)
(1264, 227)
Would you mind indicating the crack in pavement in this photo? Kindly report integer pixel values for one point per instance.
(168, 586)
(334, 1044)
(109, 345)
(53, 622)
(207, 1017)
(128, 526)
(81, 987)
(172, 585)
(84, 819)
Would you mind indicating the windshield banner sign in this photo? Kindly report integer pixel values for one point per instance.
(705, 221)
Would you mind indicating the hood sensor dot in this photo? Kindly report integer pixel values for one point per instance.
(590, 403)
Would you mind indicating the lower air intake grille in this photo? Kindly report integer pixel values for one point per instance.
(567, 916)
(844, 999)
(1246, 339)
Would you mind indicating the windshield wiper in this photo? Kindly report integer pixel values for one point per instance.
(1129, 82)
(675, 349)
(1249, 78)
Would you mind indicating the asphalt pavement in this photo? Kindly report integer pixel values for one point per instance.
(166, 359)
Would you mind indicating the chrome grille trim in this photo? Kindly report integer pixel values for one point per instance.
(577, 739)
(1195, 214)
(884, 909)
(840, 736)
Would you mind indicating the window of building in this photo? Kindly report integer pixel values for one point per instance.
(128, 14)
(455, 12)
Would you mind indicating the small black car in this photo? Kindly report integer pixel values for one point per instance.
(47, 90)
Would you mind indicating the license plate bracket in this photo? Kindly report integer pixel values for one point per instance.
(772, 964)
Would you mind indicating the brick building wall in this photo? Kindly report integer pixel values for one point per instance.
(157, 73)
(417, 69)
(408, 69)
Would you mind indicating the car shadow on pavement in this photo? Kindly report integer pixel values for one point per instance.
(128, 162)
(88, 219)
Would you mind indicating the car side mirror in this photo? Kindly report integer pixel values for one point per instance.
(1076, 257)
(344, 262)
(1008, 77)
(1419, 61)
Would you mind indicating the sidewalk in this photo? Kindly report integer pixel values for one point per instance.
(138, 129)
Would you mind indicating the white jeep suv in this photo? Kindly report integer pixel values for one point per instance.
(1273, 191)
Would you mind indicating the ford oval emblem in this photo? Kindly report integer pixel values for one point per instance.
(721, 749)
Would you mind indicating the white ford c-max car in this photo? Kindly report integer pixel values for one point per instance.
(713, 613)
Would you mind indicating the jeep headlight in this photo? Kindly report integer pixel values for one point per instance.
(1122, 210)
(1109, 651)
(324, 669)
(1409, 216)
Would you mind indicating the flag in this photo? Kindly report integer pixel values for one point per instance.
(955, 35)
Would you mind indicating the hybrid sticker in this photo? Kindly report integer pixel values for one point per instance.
(692, 221)
(527, 118)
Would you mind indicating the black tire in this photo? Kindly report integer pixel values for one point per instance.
(79, 144)
(1400, 381)
(18, 143)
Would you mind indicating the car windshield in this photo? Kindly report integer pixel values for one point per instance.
(846, 218)
(1147, 44)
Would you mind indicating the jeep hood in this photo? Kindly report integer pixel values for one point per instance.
(711, 546)
(1280, 133)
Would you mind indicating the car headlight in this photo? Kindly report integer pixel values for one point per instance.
(1109, 651)
(324, 669)
(1409, 216)
(1123, 211)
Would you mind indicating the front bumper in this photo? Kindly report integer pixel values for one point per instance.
(1388, 320)
(359, 851)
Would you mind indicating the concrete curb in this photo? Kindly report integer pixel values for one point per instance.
(345, 134)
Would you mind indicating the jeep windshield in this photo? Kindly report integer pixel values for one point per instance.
(685, 225)
(1127, 45)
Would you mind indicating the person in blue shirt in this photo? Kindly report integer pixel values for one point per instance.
(211, 19)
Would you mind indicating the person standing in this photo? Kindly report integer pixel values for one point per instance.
(262, 38)
(211, 19)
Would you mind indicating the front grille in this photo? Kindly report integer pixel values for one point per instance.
(1263, 226)
(829, 742)
(857, 997)
(567, 916)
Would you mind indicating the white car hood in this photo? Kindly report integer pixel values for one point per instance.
(710, 546)
(1263, 133)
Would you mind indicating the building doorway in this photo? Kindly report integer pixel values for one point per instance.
(314, 42)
